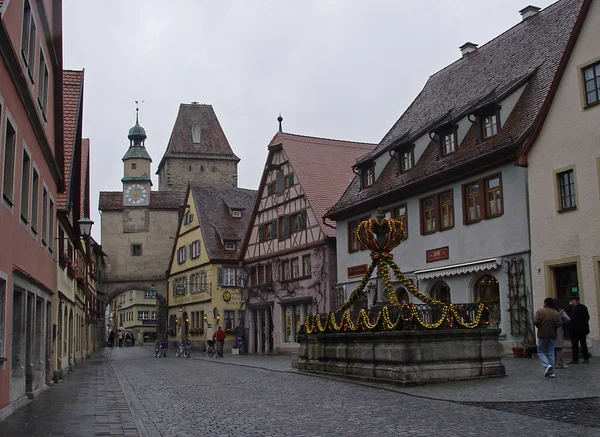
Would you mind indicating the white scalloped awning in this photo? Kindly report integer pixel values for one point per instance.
(459, 269)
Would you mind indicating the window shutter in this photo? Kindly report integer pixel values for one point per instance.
(190, 249)
(303, 219)
(286, 226)
(261, 233)
(220, 276)
(279, 182)
(291, 179)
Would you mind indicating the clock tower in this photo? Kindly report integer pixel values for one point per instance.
(136, 169)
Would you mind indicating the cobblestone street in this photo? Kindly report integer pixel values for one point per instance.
(130, 393)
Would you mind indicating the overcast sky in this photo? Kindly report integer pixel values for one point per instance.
(339, 69)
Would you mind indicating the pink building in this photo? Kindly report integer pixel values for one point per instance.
(31, 162)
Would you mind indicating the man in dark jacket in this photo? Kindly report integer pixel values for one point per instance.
(547, 320)
(580, 327)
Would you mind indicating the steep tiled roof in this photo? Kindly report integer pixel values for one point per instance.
(72, 112)
(213, 140)
(84, 187)
(113, 200)
(215, 217)
(322, 166)
(528, 53)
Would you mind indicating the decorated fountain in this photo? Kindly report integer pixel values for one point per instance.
(408, 343)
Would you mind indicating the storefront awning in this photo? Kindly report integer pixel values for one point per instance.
(459, 269)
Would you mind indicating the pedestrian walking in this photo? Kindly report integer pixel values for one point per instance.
(580, 327)
(560, 335)
(547, 321)
(111, 339)
(120, 338)
(219, 337)
(165, 345)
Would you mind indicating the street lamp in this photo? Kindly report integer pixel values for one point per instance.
(85, 226)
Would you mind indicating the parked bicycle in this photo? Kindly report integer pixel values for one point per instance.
(183, 348)
(158, 349)
(211, 351)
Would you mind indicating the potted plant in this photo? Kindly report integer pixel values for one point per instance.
(518, 350)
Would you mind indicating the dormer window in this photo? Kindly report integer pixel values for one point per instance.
(230, 245)
(406, 158)
(236, 213)
(196, 133)
(490, 124)
(448, 142)
(367, 176)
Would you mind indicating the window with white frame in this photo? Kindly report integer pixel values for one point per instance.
(229, 319)
(181, 255)
(25, 173)
(150, 294)
(153, 315)
(286, 273)
(8, 174)
(43, 85)
(44, 216)
(35, 188)
(294, 315)
(28, 35)
(226, 276)
(230, 245)
(295, 267)
(50, 224)
(195, 249)
(143, 315)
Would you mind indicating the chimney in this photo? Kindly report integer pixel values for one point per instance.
(195, 103)
(467, 48)
(529, 11)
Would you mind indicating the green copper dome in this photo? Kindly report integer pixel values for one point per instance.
(137, 152)
(137, 132)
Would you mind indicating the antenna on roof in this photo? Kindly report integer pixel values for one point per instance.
(280, 119)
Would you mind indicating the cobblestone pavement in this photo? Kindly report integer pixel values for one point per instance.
(263, 396)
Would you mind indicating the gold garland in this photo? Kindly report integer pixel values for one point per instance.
(384, 260)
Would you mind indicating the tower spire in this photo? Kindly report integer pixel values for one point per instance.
(280, 119)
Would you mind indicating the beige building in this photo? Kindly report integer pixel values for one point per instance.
(564, 176)
(135, 313)
(205, 279)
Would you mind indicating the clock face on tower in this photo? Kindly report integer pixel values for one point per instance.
(136, 194)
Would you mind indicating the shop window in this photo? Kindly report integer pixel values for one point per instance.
(440, 291)
(294, 315)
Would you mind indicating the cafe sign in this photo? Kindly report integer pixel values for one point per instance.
(354, 271)
(437, 254)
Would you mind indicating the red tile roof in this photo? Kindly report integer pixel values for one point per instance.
(529, 53)
(322, 166)
(113, 200)
(213, 140)
(72, 113)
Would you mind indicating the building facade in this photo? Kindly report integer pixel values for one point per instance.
(31, 162)
(288, 252)
(448, 170)
(205, 278)
(563, 163)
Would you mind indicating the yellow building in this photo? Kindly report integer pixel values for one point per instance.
(135, 313)
(204, 277)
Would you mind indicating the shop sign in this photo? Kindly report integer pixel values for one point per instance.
(354, 271)
(437, 254)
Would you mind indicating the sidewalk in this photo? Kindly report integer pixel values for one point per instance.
(524, 382)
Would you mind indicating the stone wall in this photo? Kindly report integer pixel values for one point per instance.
(405, 358)
(176, 173)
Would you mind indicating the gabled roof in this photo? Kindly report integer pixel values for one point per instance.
(213, 140)
(113, 200)
(322, 166)
(72, 119)
(529, 54)
(216, 222)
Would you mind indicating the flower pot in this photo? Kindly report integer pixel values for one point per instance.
(517, 352)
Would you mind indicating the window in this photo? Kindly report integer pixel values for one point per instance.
(203, 282)
(367, 176)
(448, 142)
(286, 273)
(441, 291)
(143, 315)
(133, 165)
(295, 267)
(195, 249)
(294, 315)
(226, 276)
(482, 199)
(35, 187)
(28, 34)
(353, 243)
(44, 216)
(2, 317)
(268, 273)
(136, 250)
(284, 227)
(236, 213)
(9, 163)
(43, 85)
(299, 221)
(150, 294)
(241, 317)
(490, 123)
(131, 295)
(50, 224)
(487, 289)
(406, 159)
(181, 255)
(428, 214)
(400, 213)
(230, 245)
(591, 78)
(270, 230)
(25, 173)
(446, 210)
(566, 184)
(229, 319)
(306, 266)
(196, 133)
(271, 188)
(288, 180)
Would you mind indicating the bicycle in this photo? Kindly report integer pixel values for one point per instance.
(183, 348)
(210, 351)
(158, 349)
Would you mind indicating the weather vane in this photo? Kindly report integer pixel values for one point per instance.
(137, 109)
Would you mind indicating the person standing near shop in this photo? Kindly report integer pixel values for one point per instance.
(219, 337)
(580, 327)
(547, 321)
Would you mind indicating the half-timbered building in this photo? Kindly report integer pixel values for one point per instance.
(289, 252)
